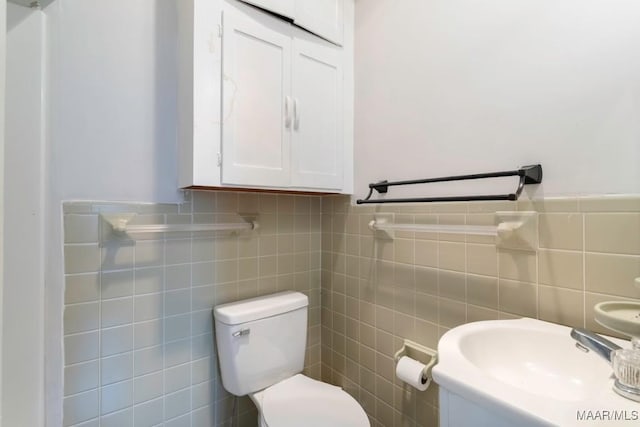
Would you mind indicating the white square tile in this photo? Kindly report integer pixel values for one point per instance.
(116, 368)
(148, 387)
(149, 413)
(117, 340)
(81, 347)
(177, 378)
(148, 360)
(117, 312)
(118, 419)
(81, 317)
(117, 396)
(80, 407)
(177, 404)
(81, 377)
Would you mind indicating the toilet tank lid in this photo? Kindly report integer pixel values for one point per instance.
(248, 310)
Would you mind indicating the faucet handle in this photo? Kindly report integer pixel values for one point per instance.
(602, 346)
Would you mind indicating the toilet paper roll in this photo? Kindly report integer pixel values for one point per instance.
(411, 371)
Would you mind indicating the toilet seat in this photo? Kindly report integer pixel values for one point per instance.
(302, 401)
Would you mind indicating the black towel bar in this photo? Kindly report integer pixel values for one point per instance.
(531, 174)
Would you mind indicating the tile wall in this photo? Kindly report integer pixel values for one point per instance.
(138, 335)
(377, 291)
(138, 342)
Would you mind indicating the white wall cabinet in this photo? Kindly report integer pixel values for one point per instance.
(264, 104)
(324, 18)
(317, 127)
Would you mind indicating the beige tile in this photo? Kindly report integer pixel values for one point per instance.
(81, 229)
(404, 326)
(268, 203)
(148, 307)
(81, 258)
(116, 284)
(452, 285)
(117, 340)
(427, 333)
(561, 204)
(81, 377)
(177, 251)
(149, 412)
(451, 219)
(227, 202)
(149, 253)
(612, 274)
(517, 265)
(518, 298)
(561, 231)
(612, 203)
(116, 368)
(117, 396)
(80, 407)
(427, 280)
(451, 256)
(427, 307)
(449, 207)
(613, 233)
(384, 319)
(177, 277)
(477, 314)
(116, 312)
(404, 301)
(82, 288)
(81, 317)
(384, 413)
(426, 219)
(384, 344)
(451, 313)
(481, 219)
(561, 268)
(204, 201)
(404, 251)
(482, 259)
(482, 291)
(562, 306)
(81, 347)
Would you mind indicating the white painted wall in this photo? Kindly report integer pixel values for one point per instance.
(3, 51)
(24, 288)
(450, 87)
(112, 108)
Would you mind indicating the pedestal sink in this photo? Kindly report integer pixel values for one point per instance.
(525, 372)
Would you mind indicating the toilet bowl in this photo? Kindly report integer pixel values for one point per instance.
(261, 343)
(302, 401)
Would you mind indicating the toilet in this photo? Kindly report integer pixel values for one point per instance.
(261, 345)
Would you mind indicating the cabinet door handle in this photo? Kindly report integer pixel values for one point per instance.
(296, 115)
(287, 111)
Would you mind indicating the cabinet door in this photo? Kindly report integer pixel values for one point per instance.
(322, 17)
(318, 137)
(256, 67)
(281, 7)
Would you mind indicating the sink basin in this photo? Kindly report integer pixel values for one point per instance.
(528, 373)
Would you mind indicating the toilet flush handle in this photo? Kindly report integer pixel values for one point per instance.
(241, 332)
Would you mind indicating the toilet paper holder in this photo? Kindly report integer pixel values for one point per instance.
(420, 353)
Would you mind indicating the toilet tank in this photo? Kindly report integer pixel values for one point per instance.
(261, 341)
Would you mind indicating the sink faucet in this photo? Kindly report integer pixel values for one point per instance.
(601, 346)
